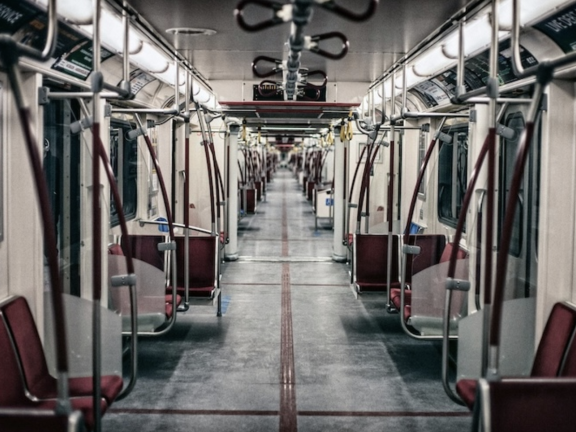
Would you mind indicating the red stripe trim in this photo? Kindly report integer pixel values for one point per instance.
(192, 412)
(384, 413)
(300, 413)
(288, 413)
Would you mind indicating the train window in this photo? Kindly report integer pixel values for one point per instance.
(124, 161)
(509, 148)
(62, 162)
(452, 173)
(1, 169)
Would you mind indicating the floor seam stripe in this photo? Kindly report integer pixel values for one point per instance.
(288, 412)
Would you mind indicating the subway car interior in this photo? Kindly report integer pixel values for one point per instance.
(293, 215)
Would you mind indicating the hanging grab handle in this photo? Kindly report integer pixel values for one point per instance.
(345, 13)
(276, 69)
(317, 72)
(310, 98)
(278, 17)
(313, 46)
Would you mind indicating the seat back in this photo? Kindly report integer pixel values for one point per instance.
(431, 249)
(371, 259)
(20, 323)
(201, 262)
(145, 248)
(12, 393)
(555, 344)
(18, 420)
(528, 405)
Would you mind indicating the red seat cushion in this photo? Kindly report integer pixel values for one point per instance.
(395, 297)
(12, 394)
(466, 388)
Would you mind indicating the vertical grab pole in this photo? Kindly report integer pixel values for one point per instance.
(492, 90)
(390, 197)
(97, 82)
(186, 189)
(232, 246)
(339, 253)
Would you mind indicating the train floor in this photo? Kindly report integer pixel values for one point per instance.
(294, 350)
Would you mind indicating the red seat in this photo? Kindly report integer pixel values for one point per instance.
(169, 304)
(201, 266)
(371, 263)
(555, 356)
(29, 349)
(13, 394)
(18, 420)
(145, 248)
(529, 404)
(429, 256)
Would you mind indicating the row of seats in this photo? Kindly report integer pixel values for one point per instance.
(201, 265)
(370, 264)
(26, 381)
(542, 401)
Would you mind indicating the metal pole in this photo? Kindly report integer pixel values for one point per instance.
(232, 180)
(339, 252)
(97, 81)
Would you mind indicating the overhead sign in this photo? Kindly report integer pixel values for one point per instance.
(561, 28)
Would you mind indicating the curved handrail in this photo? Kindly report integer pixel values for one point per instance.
(170, 222)
(372, 153)
(315, 48)
(205, 143)
(275, 20)
(489, 142)
(129, 263)
(10, 53)
(543, 79)
(345, 13)
(419, 180)
(177, 225)
(346, 242)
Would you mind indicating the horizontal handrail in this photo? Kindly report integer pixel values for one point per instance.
(143, 222)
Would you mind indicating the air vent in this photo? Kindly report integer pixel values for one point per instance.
(190, 31)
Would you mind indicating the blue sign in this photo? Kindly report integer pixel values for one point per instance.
(329, 202)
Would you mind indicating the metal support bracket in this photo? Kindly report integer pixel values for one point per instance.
(167, 246)
(123, 280)
(411, 249)
(457, 285)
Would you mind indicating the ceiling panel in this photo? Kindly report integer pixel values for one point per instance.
(374, 45)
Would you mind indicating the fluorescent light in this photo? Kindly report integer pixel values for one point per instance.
(530, 10)
(201, 95)
(76, 11)
(112, 33)
(169, 76)
(411, 78)
(387, 89)
(430, 62)
(476, 35)
(150, 59)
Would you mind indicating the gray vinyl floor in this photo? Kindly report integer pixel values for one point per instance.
(353, 367)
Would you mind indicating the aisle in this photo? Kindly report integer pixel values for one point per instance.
(294, 349)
